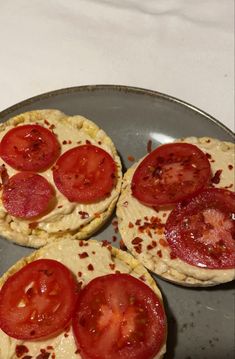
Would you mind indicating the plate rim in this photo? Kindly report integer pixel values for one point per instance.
(113, 87)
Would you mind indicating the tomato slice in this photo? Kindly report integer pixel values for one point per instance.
(27, 195)
(85, 174)
(117, 316)
(38, 301)
(29, 148)
(202, 233)
(170, 174)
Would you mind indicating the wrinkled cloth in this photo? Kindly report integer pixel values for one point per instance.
(184, 48)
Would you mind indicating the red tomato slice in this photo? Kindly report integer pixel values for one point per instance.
(202, 233)
(38, 301)
(85, 174)
(29, 148)
(117, 316)
(27, 195)
(170, 174)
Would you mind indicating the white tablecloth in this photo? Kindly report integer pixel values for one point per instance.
(184, 48)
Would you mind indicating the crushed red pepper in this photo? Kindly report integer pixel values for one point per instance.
(216, 178)
(83, 255)
(83, 215)
(131, 158)
(149, 146)
(90, 267)
(21, 350)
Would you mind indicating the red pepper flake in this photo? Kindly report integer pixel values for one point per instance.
(116, 230)
(173, 255)
(47, 123)
(93, 252)
(131, 158)
(60, 206)
(159, 253)
(64, 142)
(83, 255)
(33, 225)
(90, 267)
(137, 222)
(164, 214)
(216, 178)
(77, 351)
(125, 204)
(122, 245)
(27, 357)
(52, 127)
(142, 277)
(138, 248)
(79, 274)
(3, 175)
(43, 355)
(163, 242)
(21, 350)
(208, 141)
(130, 225)
(83, 215)
(69, 142)
(66, 335)
(149, 146)
(50, 347)
(154, 244)
(114, 238)
(208, 155)
(153, 224)
(105, 243)
(117, 271)
(212, 161)
(53, 356)
(230, 167)
(114, 222)
(137, 240)
(99, 143)
(112, 266)
(79, 142)
(97, 215)
(88, 142)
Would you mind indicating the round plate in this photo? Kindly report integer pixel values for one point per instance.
(200, 320)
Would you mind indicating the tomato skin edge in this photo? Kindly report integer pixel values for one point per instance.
(71, 283)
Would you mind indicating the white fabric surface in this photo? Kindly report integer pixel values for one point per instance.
(184, 48)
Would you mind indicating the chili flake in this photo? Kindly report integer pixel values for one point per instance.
(216, 178)
(21, 350)
(83, 255)
(90, 267)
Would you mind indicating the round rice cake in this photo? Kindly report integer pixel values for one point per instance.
(66, 219)
(102, 259)
(142, 228)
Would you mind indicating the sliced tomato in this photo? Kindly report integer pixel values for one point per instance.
(202, 233)
(170, 174)
(29, 148)
(38, 301)
(85, 174)
(117, 316)
(27, 195)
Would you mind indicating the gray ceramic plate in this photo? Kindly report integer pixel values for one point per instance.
(201, 322)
